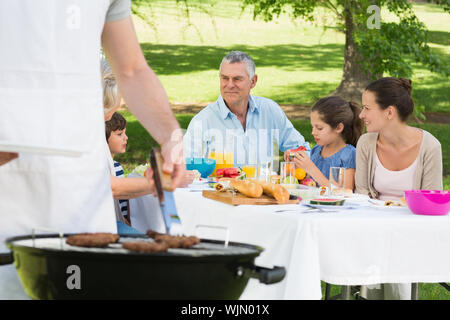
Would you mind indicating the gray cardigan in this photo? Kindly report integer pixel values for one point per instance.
(429, 165)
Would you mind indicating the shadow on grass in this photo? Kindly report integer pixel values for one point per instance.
(433, 92)
(305, 93)
(439, 37)
(179, 59)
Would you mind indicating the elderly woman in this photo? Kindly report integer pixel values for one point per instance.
(121, 188)
(393, 157)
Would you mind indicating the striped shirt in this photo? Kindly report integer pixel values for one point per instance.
(123, 204)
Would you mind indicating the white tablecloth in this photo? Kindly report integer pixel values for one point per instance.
(348, 247)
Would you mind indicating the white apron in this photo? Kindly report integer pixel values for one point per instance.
(51, 97)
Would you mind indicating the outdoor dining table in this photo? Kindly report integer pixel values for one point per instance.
(358, 244)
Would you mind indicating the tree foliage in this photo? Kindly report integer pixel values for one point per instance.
(389, 48)
(383, 50)
(144, 10)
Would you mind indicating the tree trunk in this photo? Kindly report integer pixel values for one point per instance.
(354, 79)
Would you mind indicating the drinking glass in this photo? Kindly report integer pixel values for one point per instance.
(250, 171)
(264, 172)
(287, 173)
(337, 181)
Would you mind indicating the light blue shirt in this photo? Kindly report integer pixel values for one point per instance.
(217, 128)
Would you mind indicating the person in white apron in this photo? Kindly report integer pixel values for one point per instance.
(51, 106)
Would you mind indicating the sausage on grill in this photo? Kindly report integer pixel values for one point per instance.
(92, 240)
(174, 241)
(146, 247)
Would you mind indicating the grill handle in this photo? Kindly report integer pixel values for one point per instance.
(6, 258)
(264, 275)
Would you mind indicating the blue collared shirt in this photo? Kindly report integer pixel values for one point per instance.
(216, 128)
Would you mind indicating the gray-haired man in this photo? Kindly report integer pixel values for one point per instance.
(244, 124)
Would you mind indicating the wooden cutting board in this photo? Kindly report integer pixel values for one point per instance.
(238, 199)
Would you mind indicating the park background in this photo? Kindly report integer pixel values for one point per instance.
(297, 62)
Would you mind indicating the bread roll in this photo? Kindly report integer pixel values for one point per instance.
(276, 191)
(247, 188)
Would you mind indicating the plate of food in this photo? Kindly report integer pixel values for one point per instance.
(199, 182)
(388, 204)
(331, 203)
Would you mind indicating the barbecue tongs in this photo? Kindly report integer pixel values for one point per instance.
(164, 189)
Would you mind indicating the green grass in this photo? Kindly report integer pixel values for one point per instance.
(442, 133)
(297, 63)
(427, 291)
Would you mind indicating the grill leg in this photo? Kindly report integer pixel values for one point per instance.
(346, 292)
(327, 291)
(414, 291)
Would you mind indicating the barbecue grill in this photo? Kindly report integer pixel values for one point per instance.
(49, 268)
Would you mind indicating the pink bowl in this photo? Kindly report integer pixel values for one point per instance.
(428, 202)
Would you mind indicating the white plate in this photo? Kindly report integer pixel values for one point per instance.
(199, 182)
(346, 205)
(8, 147)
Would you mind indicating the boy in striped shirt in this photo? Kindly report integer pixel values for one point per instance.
(117, 143)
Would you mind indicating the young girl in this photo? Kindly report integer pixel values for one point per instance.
(336, 128)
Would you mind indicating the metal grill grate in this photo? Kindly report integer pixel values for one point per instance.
(204, 248)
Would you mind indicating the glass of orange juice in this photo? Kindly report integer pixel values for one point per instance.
(250, 171)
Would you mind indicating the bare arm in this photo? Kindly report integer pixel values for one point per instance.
(129, 188)
(143, 93)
